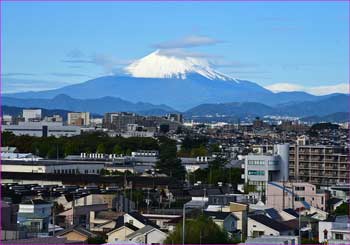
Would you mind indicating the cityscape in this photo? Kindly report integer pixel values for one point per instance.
(175, 123)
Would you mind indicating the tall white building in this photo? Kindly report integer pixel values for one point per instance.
(32, 114)
(259, 169)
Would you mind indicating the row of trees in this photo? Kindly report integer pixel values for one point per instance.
(217, 172)
(201, 230)
(97, 142)
(194, 146)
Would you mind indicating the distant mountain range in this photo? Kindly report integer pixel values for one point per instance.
(322, 107)
(319, 108)
(340, 117)
(158, 84)
(180, 83)
(98, 106)
(17, 111)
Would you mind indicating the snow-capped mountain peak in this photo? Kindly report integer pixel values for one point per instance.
(160, 65)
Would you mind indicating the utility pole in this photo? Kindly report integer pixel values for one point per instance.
(148, 200)
(53, 221)
(293, 196)
(183, 223)
(299, 226)
(130, 196)
(283, 200)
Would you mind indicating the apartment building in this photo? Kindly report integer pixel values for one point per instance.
(79, 118)
(319, 164)
(128, 122)
(119, 120)
(295, 195)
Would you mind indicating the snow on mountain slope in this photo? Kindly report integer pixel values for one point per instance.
(159, 65)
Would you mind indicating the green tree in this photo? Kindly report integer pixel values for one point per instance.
(101, 148)
(199, 151)
(217, 172)
(96, 240)
(117, 149)
(168, 162)
(343, 209)
(198, 231)
(214, 148)
(71, 148)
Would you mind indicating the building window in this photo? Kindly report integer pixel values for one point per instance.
(339, 236)
(300, 188)
(299, 199)
(256, 172)
(256, 162)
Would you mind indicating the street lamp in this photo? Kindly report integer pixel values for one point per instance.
(183, 223)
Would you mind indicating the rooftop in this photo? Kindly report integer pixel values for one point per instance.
(270, 222)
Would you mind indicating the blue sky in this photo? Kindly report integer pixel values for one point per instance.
(280, 45)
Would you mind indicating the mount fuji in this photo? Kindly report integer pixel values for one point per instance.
(179, 82)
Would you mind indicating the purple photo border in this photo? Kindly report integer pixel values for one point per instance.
(156, 1)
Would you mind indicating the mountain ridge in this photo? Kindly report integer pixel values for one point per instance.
(179, 82)
(322, 107)
(98, 105)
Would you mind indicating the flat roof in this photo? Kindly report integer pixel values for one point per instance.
(47, 162)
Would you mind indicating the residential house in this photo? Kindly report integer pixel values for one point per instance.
(240, 211)
(147, 235)
(103, 221)
(76, 233)
(259, 225)
(334, 230)
(225, 220)
(282, 195)
(134, 227)
(334, 202)
(34, 216)
(282, 240)
(120, 231)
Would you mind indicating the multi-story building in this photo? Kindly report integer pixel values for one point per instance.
(54, 118)
(175, 117)
(51, 166)
(78, 118)
(259, 169)
(119, 120)
(319, 164)
(295, 195)
(34, 216)
(32, 114)
(42, 129)
(6, 119)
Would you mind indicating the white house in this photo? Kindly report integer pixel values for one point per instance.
(225, 220)
(135, 228)
(147, 235)
(334, 230)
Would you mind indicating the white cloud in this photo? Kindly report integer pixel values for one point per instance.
(316, 90)
(188, 42)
